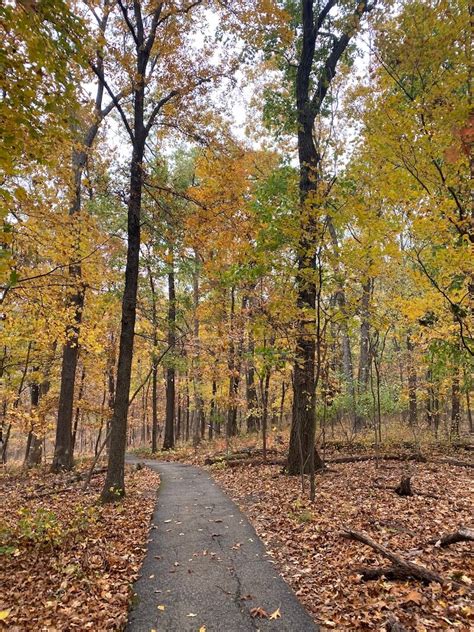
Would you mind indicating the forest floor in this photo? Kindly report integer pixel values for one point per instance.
(306, 540)
(68, 562)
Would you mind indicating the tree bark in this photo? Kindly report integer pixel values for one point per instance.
(34, 450)
(114, 483)
(200, 425)
(469, 412)
(364, 354)
(412, 384)
(455, 404)
(253, 420)
(154, 373)
(212, 413)
(78, 410)
(168, 442)
(231, 428)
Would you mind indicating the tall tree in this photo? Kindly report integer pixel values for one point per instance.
(312, 83)
(84, 133)
(156, 32)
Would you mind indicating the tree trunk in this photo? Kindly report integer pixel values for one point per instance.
(347, 363)
(78, 410)
(265, 394)
(231, 428)
(35, 448)
(469, 412)
(364, 355)
(282, 404)
(154, 407)
(114, 483)
(303, 427)
(186, 399)
(253, 420)
(168, 442)
(200, 426)
(412, 384)
(213, 410)
(455, 404)
(154, 374)
(63, 450)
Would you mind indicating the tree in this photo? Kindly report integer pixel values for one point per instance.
(312, 83)
(157, 33)
(84, 133)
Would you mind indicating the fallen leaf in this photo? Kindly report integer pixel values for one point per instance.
(276, 614)
(191, 614)
(413, 596)
(259, 613)
(161, 608)
(4, 614)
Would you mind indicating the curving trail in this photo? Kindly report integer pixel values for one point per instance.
(205, 567)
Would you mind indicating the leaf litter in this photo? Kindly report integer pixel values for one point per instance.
(320, 565)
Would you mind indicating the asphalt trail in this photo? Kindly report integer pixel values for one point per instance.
(205, 566)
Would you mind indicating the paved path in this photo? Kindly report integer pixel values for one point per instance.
(206, 566)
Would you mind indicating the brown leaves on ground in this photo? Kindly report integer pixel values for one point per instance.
(68, 562)
(318, 563)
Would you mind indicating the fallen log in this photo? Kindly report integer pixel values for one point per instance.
(50, 492)
(456, 462)
(413, 492)
(242, 454)
(463, 534)
(414, 570)
(252, 462)
(61, 490)
(389, 572)
(382, 457)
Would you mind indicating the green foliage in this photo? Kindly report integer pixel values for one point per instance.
(42, 528)
(39, 528)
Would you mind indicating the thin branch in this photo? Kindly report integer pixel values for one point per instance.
(114, 98)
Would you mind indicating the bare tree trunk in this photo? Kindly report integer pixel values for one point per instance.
(347, 364)
(78, 409)
(154, 375)
(469, 412)
(412, 384)
(111, 358)
(187, 411)
(455, 404)
(265, 393)
(253, 421)
(35, 443)
(200, 425)
(34, 451)
(282, 404)
(364, 355)
(168, 442)
(231, 428)
(213, 410)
